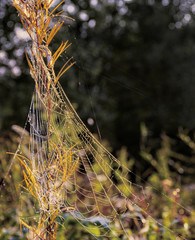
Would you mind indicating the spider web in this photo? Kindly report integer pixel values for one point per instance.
(66, 169)
(98, 189)
(76, 175)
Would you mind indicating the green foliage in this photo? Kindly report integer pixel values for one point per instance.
(9, 188)
(161, 191)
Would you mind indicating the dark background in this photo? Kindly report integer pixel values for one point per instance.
(135, 63)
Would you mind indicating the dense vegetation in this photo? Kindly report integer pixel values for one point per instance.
(161, 192)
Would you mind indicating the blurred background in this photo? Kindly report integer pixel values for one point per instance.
(133, 83)
(134, 65)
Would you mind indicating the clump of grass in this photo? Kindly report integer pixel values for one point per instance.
(47, 166)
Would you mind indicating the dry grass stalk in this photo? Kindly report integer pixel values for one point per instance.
(47, 166)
